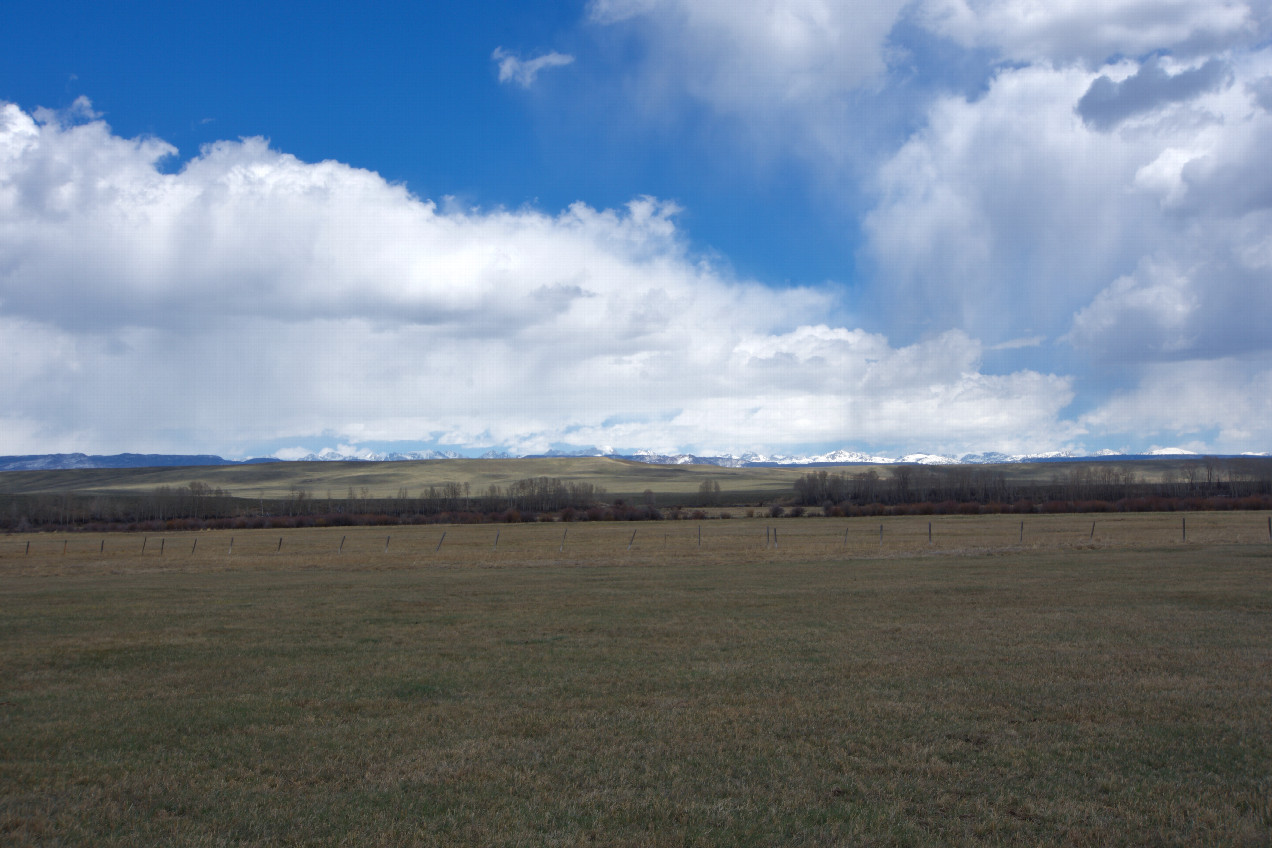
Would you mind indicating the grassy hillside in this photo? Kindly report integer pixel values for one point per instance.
(384, 479)
(620, 478)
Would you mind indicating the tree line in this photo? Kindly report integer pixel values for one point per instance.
(1207, 483)
(198, 505)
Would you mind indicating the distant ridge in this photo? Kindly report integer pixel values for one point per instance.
(62, 461)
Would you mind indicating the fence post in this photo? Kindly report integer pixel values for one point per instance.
(631, 541)
(881, 535)
(563, 533)
(439, 542)
(192, 547)
(929, 532)
(1092, 536)
(28, 553)
(280, 545)
(1022, 533)
(845, 537)
(496, 545)
(162, 542)
(1183, 528)
(231, 553)
(340, 550)
(144, 540)
(103, 548)
(386, 542)
(699, 535)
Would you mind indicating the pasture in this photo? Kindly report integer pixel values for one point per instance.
(568, 684)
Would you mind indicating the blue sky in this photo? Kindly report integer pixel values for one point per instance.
(783, 226)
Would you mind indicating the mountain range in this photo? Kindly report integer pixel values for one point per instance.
(59, 461)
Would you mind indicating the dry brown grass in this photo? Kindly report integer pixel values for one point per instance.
(1063, 691)
(737, 541)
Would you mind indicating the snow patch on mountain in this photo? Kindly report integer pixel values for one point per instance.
(331, 455)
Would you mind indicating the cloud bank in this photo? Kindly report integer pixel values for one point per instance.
(1062, 212)
(251, 298)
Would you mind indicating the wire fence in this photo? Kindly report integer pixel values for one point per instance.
(742, 539)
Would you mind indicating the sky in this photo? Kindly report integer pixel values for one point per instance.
(772, 226)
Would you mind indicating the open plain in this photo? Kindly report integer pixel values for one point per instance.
(748, 681)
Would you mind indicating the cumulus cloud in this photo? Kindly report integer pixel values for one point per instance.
(523, 72)
(253, 298)
(1010, 212)
(785, 71)
(1091, 32)
(1105, 187)
(1222, 405)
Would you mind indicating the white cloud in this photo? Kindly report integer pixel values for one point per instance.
(524, 71)
(1149, 312)
(1215, 406)
(1105, 187)
(1093, 31)
(1010, 213)
(252, 298)
(783, 72)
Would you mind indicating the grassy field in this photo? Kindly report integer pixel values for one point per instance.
(384, 479)
(618, 477)
(1071, 688)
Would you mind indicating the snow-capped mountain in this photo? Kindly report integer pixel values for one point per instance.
(330, 455)
(44, 462)
(992, 457)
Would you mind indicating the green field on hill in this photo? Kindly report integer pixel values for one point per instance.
(619, 478)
